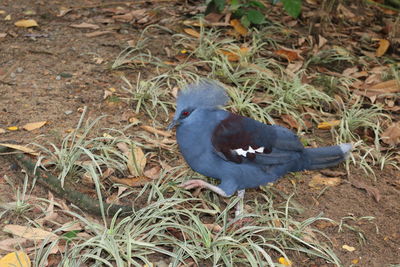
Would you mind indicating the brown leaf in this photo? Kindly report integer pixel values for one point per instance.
(155, 131)
(134, 181)
(391, 135)
(213, 17)
(292, 122)
(85, 25)
(10, 244)
(239, 28)
(290, 55)
(192, 32)
(97, 33)
(136, 161)
(372, 191)
(234, 54)
(318, 181)
(34, 125)
(64, 11)
(31, 233)
(20, 148)
(391, 86)
(382, 48)
(153, 173)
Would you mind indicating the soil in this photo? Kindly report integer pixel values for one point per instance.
(51, 72)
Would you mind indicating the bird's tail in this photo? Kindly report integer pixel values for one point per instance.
(323, 157)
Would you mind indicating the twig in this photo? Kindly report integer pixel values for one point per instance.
(53, 184)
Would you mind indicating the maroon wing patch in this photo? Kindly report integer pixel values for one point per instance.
(236, 139)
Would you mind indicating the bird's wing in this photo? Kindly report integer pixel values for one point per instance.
(240, 139)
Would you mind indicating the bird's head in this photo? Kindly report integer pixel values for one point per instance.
(202, 95)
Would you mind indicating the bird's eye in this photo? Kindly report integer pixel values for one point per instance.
(185, 113)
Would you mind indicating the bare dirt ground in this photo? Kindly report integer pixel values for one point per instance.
(51, 72)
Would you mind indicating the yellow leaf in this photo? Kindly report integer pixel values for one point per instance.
(34, 125)
(13, 128)
(383, 47)
(26, 23)
(192, 32)
(15, 259)
(318, 181)
(239, 27)
(326, 125)
(21, 148)
(348, 248)
(2, 12)
(355, 261)
(8, 17)
(285, 262)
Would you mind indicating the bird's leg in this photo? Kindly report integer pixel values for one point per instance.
(196, 183)
(239, 205)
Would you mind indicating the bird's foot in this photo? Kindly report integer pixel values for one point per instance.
(196, 183)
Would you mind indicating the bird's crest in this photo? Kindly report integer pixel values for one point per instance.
(204, 94)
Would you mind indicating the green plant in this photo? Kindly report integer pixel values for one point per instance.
(250, 11)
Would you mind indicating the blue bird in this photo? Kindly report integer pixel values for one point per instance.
(239, 151)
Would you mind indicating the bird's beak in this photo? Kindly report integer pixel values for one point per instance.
(172, 124)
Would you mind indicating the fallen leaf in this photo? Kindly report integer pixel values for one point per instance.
(348, 248)
(133, 15)
(318, 181)
(30, 233)
(26, 23)
(20, 148)
(213, 227)
(391, 135)
(292, 122)
(8, 17)
(355, 261)
(15, 259)
(290, 55)
(155, 131)
(382, 48)
(13, 128)
(85, 25)
(63, 11)
(285, 262)
(153, 173)
(391, 86)
(2, 131)
(326, 125)
(372, 191)
(97, 33)
(234, 54)
(134, 181)
(192, 32)
(34, 125)
(3, 35)
(239, 28)
(136, 161)
(10, 244)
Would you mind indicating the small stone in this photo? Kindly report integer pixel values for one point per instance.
(19, 69)
(58, 77)
(68, 112)
(12, 75)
